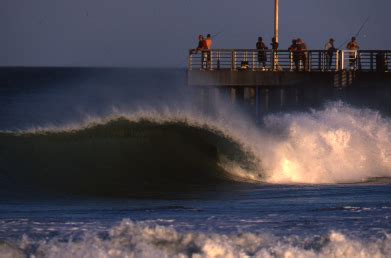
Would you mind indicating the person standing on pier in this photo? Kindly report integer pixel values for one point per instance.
(208, 46)
(200, 47)
(275, 46)
(330, 50)
(294, 55)
(353, 55)
(200, 43)
(262, 58)
(302, 53)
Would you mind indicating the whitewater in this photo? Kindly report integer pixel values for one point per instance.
(130, 239)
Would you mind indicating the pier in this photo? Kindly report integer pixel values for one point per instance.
(240, 68)
(284, 79)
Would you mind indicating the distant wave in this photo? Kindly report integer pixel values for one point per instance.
(162, 151)
(140, 239)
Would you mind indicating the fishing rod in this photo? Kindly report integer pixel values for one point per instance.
(362, 27)
(358, 32)
(218, 33)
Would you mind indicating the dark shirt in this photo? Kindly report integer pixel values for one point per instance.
(274, 45)
(200, 44)
(261, 45)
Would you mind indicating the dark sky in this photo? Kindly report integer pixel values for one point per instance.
(159, 32)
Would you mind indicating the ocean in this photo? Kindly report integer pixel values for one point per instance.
(122, 162)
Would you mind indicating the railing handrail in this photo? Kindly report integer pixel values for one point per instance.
(284, 59)
(286, 50)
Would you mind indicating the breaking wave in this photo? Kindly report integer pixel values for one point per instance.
(339, 144)
(123, 155)
(154, 151)
(141, 239)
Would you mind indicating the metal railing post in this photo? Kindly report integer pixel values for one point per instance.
(218, 59)
(337, 60)
(320, 61)
(211, 60)
(233, 60)
(254, 62)
(274, 60)
(371, 60)
(190, 65)
(342, 59)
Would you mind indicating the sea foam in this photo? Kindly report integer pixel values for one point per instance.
(141, 239)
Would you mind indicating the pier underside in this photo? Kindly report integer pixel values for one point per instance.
(250, 78)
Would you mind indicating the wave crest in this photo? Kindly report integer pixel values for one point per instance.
(124, 156)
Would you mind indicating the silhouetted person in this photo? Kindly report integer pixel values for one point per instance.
(208, 46)
(261, 47)
(275, 46)
(330, 50)
(200, 47)
(200, 43)
(353, 55)
(302, 53)
(293, 49)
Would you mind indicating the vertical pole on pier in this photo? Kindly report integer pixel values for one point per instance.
(233, 60)
(282, 98)
(257, 104)
(276, 26)
(337, 62)
(276, 19)
(240, 96)
(265, 100)
(232, 95)
(190, 62)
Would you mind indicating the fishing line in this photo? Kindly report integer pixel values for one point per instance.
(358, 32)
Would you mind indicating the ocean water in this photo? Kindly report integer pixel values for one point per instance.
(126, 163)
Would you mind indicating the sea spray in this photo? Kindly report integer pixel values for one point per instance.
(339, 144)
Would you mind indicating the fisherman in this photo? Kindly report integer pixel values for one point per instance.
(208, 42)
(353, 55)
(200, 47)
(261, 47)
(330, 50)
(275, 46)
(293, 49)
(200, 43)
(302, 53)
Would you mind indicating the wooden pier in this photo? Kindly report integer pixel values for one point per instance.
(232, 67)
(238, 73)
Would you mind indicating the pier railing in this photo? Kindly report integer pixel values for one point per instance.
(285, 60)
